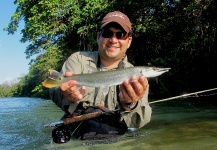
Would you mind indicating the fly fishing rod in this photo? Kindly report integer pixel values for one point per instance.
(62, 133)
(182, 96)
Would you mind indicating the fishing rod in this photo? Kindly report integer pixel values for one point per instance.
(182, 96)
(71, 119)
(62, 133)
(83, 117)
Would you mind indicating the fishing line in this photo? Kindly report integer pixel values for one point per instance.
(77, 127)
(182, 96)
(159, 81)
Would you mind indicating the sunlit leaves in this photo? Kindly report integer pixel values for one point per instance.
(182, 37)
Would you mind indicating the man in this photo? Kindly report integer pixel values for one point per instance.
(130, 98)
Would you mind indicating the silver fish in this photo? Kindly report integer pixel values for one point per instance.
(103, 78)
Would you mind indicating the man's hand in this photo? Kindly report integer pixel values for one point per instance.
(131, 91)
(71, 89)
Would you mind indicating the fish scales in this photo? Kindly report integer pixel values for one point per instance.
(103, 78)
(106, 78)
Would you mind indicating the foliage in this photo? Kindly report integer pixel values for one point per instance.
(7, 89)
(177, 34)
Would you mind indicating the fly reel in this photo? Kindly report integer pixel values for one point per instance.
(61, 134)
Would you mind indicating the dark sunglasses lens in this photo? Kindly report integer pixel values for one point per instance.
(120, 35)
(107, 33)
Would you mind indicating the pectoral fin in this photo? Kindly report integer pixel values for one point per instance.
(105, 90)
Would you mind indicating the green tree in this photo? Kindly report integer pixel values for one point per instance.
(177, 34)
(8, 88)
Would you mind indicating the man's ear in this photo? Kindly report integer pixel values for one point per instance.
(130, 41)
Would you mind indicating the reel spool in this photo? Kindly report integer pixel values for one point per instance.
(61, 134)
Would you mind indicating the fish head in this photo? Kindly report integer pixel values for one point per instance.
(54, 79)
(153, 71)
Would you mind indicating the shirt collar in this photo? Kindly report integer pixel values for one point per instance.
(94, 58)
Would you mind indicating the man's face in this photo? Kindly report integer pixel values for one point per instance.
(113, 48)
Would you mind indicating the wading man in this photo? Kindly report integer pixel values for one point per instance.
(130, 98)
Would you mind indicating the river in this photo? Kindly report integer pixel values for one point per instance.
(176, 125)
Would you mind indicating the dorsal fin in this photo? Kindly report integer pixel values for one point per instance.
(91, 69)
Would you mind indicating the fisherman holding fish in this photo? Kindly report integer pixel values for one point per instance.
(130, 98)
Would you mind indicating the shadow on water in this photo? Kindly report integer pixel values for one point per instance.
(179, 124)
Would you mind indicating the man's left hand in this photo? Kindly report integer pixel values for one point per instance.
(131, 91)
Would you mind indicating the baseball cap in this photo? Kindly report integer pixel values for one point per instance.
(119, 17)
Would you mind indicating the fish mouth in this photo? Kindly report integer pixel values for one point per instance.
(163, 69)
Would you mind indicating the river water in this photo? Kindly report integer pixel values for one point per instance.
(176, 125)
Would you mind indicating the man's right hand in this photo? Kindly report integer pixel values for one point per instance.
(72, 90)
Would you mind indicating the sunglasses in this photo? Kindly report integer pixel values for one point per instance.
(106, 33)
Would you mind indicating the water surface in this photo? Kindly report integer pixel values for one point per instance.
(179, 124)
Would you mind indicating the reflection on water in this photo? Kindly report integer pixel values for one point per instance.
(179, 124)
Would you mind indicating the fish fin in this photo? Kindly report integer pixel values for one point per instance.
(54, 73)
(78, 86)
(91, 69)
(54, 79)
(135, 79)
(105, 90)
